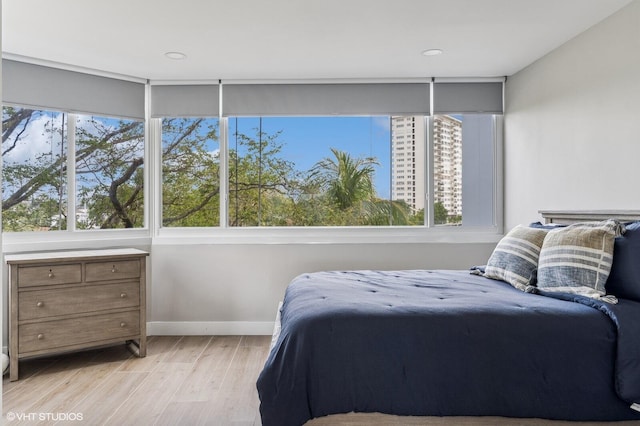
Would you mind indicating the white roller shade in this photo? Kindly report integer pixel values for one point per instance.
(325, 99)
(38, 86)
(467, 98)
(185, 101)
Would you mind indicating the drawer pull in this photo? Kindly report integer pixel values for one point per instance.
(123, 295)
(123, 324)
(50, 273)
(113, 269)
(40, 304)
(40, 336)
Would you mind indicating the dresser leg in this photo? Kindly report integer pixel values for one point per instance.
(143, 346)
(139, 349)
(133, 347)
(13, 369)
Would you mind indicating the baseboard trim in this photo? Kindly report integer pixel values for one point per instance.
(210, 328)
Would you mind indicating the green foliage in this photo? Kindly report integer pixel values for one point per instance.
(190, 173)
(33, 190)
(348, 185)
(262, 185)
(347, 181)
(109, 170)
(455, 220)
(440, 213)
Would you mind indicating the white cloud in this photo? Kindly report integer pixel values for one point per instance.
(382, 123)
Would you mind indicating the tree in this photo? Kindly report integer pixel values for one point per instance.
(109, 161)
(190, 172)
(109, 172)
(24, 181)
(262, 185)
(348, 186)
(440, 213)
(265, 189)
(347, 181)
(386, 212)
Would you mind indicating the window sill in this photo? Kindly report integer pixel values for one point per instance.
(326, 235)
(63, 240)
(14, 242)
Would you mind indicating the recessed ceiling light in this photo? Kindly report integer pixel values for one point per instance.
(175, 55)
(432, 52)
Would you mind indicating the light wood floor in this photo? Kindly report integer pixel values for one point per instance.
(190, 380)
(186, 380)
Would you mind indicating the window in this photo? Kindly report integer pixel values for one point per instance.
(68, 163)
(247, 155)
(312, 171)
(109, 158)
(463, 169)
(447, 169)
(108, 175)
(34, 151)
(190, 172)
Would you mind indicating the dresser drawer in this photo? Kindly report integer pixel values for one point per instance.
(58, 334)
(47, 303)
(31, 276)
(114, 270)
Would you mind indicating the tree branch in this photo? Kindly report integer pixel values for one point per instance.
(113, 192)
(12, 124)
(205, 200)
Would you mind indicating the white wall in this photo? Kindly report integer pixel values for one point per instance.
(572, 124)
(235, 288)
(572, 137)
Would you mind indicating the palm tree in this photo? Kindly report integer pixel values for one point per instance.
(380, 212)
(347, 181)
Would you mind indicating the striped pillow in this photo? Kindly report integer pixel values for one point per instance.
(577, 259)
(515, 258)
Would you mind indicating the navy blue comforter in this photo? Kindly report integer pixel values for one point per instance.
(447, 343)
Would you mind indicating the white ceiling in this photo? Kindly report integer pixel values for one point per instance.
(296, 39)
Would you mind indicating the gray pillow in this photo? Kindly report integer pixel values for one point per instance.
(577, 259)
(515, 258)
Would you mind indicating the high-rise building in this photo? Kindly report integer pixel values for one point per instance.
(407, 160)
(408, 141)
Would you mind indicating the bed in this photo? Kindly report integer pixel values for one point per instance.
(451, 343)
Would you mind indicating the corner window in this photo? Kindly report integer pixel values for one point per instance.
(105, 189)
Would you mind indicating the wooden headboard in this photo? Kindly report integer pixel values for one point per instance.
(572, 216)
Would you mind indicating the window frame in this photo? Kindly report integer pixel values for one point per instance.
(153, 233)
(225, 234)
(82, 238)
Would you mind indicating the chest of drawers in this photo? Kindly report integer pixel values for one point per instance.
(72, 300)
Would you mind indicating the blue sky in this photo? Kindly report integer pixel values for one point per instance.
(306, 140)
